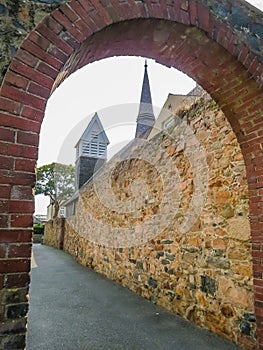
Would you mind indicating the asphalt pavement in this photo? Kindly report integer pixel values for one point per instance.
(74, 308)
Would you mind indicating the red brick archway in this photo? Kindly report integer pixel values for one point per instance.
(183, 34)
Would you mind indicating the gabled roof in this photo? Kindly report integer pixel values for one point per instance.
(96, 124)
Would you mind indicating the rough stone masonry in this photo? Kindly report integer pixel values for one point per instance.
(203, 273)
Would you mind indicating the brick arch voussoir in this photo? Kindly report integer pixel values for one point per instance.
(81, 19)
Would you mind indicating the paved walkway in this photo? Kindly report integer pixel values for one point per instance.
(73, 308)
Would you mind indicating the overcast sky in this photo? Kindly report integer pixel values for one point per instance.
(257, 3)
(111, 87)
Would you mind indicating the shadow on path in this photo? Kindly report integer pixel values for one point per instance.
(74, 308)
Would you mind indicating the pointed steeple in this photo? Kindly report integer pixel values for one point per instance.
(145, 119)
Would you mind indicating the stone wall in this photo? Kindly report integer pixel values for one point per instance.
(54, 233)
(169, 220)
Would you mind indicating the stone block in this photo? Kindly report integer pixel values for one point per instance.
(238, 228)
(152, 282)
(208, 285)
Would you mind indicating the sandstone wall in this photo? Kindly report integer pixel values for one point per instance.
(54, 233)
(169, 220)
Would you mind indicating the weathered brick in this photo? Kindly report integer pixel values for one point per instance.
(31, 73)
(45, 31)
(2, 278)
(59, 54)
(80, 11)
(52, 24)
(11, 296)
(3, 220)
(48, 70)
(6, 162)
(26, 58)
(9, 105)
(17, 177)
(19, 326)
(70, 14)
(7, 134)
(23, 97)
(68, 25)
(5, 191)
(19, 122)
(32, 114)
(3, 148)
(11, 342)
(17, 280)
(16, 80)
(193, 12)
(25, 165)
(203, 17)
(4, 206)
(14, 265)
(3, 251)
(38, 90)
(21, 192)
(21, 206)
(20, 251)
(41, 54)
(17, 311)
(21, 220)
(39, 40)
(185, 19)
(23, 151)
(27, 138)
(86, 5)
(84, 27)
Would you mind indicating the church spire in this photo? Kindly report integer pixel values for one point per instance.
(145, 119)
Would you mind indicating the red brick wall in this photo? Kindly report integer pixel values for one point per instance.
(214, 50)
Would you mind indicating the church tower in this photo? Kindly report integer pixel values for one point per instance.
(145, 119)
(91, 151)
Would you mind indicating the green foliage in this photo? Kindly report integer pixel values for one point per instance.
(38, 229)
(56, 180)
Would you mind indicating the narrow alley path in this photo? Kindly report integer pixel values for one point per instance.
(73, 308)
